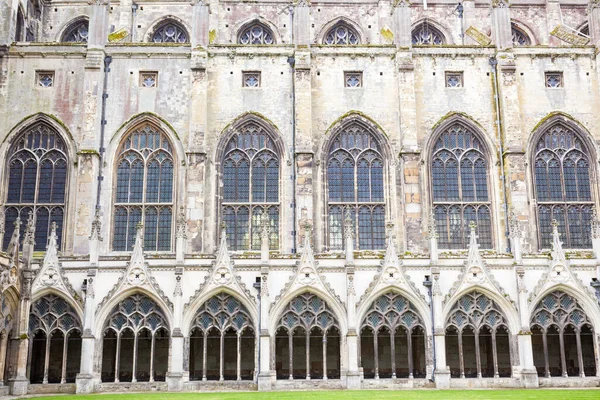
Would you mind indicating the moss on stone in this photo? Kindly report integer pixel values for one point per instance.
(212, 36)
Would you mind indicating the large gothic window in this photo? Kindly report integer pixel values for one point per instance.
(135, 347)
(477, 339)
(427, 35)
(307, 340)
(519, 37)
(37, 179)
(562, 169)
(144, 190)
(341, 34)
(77, 32)
(392, 339)
(563, 337)
(250, 169)
(170, 32)
(459, 176)
(355, 188)
(55, 332)
(256, 33)
(222, 341)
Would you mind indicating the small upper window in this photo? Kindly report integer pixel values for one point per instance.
(425, 34)
(256, 33)
(341, 34)
(77, 32)
(170, 32)
(519, 38)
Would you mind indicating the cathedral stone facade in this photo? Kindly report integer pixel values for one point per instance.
(283, 195)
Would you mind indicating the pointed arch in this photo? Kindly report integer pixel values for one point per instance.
(460, 164)
(37, 157)
(522, 35)
(563, 171)
(77, 307)
(427, 32)
(75, 31)
(356, 156)
(249, 160)
(354, 35)
(257, 31)
(191, 309)
(168, 29)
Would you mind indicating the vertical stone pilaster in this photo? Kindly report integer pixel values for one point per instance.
(18, 385)
(594, 22)
(98, 28)
(402, 24)
(413, 208)
(442, 372)
(266, 364)
(175, 374)
(302, 23)
(501, 27)
(528, 372)
(85, 379)
(353, 375)
(200, 24)
(553, 20)
(469, 18)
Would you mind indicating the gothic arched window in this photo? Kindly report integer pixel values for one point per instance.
(307, 340)
(55, 332)
(220, 330)
(37, 180)
(144, 190)
(425, 34)
(459, 176)
(477, 339)
(519, 37)
(562, 169)
(136, 342)
(250, 169)
(256, 33)
(341, 34)
(355, 186)
(563, 337)
(77, 32)
(170, 32)
(392, 339)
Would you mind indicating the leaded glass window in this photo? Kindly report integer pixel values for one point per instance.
(519, 38)
(459, 176)
(37, 181)
(478, 338)
(170, 32)
(427, 35)
(341, 34)
(77, 32)
(144, 190)
(563, 337)
(256, 33)
(563, 192)
(355, 186)
(250, 169)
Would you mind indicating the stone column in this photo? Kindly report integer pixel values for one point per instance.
(175, 374)
(529, 376)
(353, 380)
(200, 21)
(85, 379)
(553, 20)
(501, 27)
(18, 385)
(266, 367)
(442, 372)
(302, 23)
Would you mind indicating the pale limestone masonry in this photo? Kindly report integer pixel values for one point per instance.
(199, 99)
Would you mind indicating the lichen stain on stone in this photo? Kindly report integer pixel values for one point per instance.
(387, 34)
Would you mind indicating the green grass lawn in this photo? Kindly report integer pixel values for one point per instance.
(558, 394)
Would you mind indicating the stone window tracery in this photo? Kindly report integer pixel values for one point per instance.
(307, 340)
(519, 38)
(77, 32)
(144, 190)
(136, 342)
(563, 337)
(55, 329)
(170, 32)
(37, 181)
(341, 34)
(250, 169)
(355, 186)
(392, 341)
(459, 175)
(426, 35)
(222, 341)
(477, 338)
(562, 169)
(257, 33)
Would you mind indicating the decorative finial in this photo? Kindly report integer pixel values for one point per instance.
(472, 226)
(348, 227)
(30, 230)
(265, 223)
